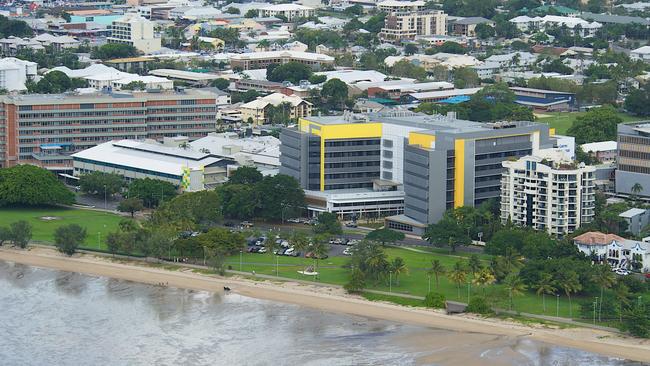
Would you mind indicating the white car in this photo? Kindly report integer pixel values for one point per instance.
(289, 251)
(262, 250)
(622, 272)
(347, 251)
(294, 221)
(284, 244)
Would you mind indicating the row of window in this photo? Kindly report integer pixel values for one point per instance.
(352, 175)
(339, 143)
(351, 153)
(347, 186)
(634, 154)
(369, 203)
(131, 169)
(355, 164)
(634, 140)
(634, 168)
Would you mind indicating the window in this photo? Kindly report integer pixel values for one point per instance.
(388, 154)
(388, 143)
(388, 164)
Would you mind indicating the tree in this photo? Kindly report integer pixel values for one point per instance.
(636, 189)
(568, 281)
(280, 196)
(465, 77)
(16, 28)
(220, 83)
(447, 231)
(32, 186)
(484, 31)
(398, 267)
(67, 238)
(484, 278)
(545, 286)
(474, 265)
(232, 10)
(245, 175)
(100, 183)
(113, 240)
(371, 259)
(291, 71)
(130, 205)
(318, 79)
(357, 282)
(384, 236)
(328, 223)
(458, 275)
(437, 270)
(240, 201)
(335, 93)
(113, 50)
(21, 233)
(405, 68)
(135, 85)
(5, 234)
(604, 278)
(54, 82)
(637, 321)
(435, 300)
(319, 249)
(410, 49)
(515, 287)
(151, 191)
(451, 47)
(190, 210)
(598, 124)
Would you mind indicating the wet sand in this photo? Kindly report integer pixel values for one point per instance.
(335, 300)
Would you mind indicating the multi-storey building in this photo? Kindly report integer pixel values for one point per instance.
(257, 110)
(633, 159)
(411, 166)
(555, 196)
(288, 11)
(134, 30)
(45, 129)
(261, 60)
(407, 19)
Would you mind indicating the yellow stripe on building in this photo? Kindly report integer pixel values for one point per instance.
(459, 173)
(421, 139)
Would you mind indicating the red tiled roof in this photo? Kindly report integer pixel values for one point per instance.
(597, 238)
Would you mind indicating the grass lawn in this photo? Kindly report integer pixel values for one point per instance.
(415, 283)
(562, 121)
(43, 230)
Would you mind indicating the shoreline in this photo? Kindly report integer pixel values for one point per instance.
(335, 301)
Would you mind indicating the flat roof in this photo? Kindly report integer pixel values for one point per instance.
(129, 59)
(146, 156)
(632, 212)
(182, 74)
(99, 97)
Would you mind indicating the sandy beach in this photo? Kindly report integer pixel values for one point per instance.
(334, 300)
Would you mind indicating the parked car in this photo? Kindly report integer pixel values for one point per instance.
(352, 242)
(289, 251)
(351, 224)
(347, 251)
(262, 250)
(294, 221)
(622, 272)
(246, 224)
(647, 275)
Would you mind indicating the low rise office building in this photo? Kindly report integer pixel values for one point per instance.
(257, 110)
(261, 60)
(134, 30)
(633, 159)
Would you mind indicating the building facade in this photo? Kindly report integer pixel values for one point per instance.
(134, 30)
(288, 11)
(15, 73)
(261, 60)
(615, 251)
(46, 129)
(633, 159)
(258, 110)
(407, 24)
(432, 162)
(554, 197)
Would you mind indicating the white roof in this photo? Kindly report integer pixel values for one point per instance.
(523, 56)
(445, 93)
(570, 22)
(599, 146)
(400, 3)
(109, 76)
(354, 76)
(286, 7)
(94, 69)
(145, 79)
(642, 50)
(182, 74)
(632, 212)
(148, 156)
(525, 19)
(275, 99)
(279, 54)
(255, 74)
(10, 63)
(261, 149)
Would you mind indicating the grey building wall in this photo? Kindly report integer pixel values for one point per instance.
(294, 155)
(633, 160)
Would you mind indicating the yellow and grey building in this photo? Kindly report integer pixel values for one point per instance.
(432, 163)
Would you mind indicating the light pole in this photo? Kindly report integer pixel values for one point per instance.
(557, 305)
(99, 235)
(240, 259)
(390, 281)
(277, 266)
(600, 307)
(429, 276)
(105, 203)
(468, 291)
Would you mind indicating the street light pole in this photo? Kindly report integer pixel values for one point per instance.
(99, 234)
(557, 305)
(105, 204)
(429, 276)
(468, 291)
(277, 265)
(594, 321)
(390, 281)
(240, 259)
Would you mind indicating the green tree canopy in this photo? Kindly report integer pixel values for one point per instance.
(335, 93)
(245, 175)
(385, 236)
(94, 183)
(328, 223)
(151, 191)
(21, 233)
(465, 77)
(291, 71)
(220, 83)
(113, 50)
(405, 68)
(16, 28)
(130, 205)
(68, 238)
(280, 197)
(32, 186)
(599, 124)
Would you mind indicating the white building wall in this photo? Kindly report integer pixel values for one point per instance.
(397, 134)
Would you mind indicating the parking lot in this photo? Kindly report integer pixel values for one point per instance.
(338, 246)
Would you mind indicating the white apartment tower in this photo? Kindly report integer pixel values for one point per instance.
(136, 31)
(407, 19)
(554, 196)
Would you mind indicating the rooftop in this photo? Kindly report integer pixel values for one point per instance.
(597, 238)
(280, 54)
(632, 212)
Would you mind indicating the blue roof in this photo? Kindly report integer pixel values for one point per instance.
(455, 100)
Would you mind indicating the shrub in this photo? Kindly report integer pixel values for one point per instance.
(435, 300)
(479, 305)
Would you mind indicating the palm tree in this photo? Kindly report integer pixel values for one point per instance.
(622, 293)
(264, 44)
(474, 265)
(300, 243)
(569, 283)
(437, 270)
(320, 249)
(376, 262)
(484, 278)
(604, 278)
(458, 275)
(544, 286)
(636, 189)
(515, 286)
(398, 267)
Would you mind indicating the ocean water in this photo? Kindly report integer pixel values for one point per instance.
(51, 317)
